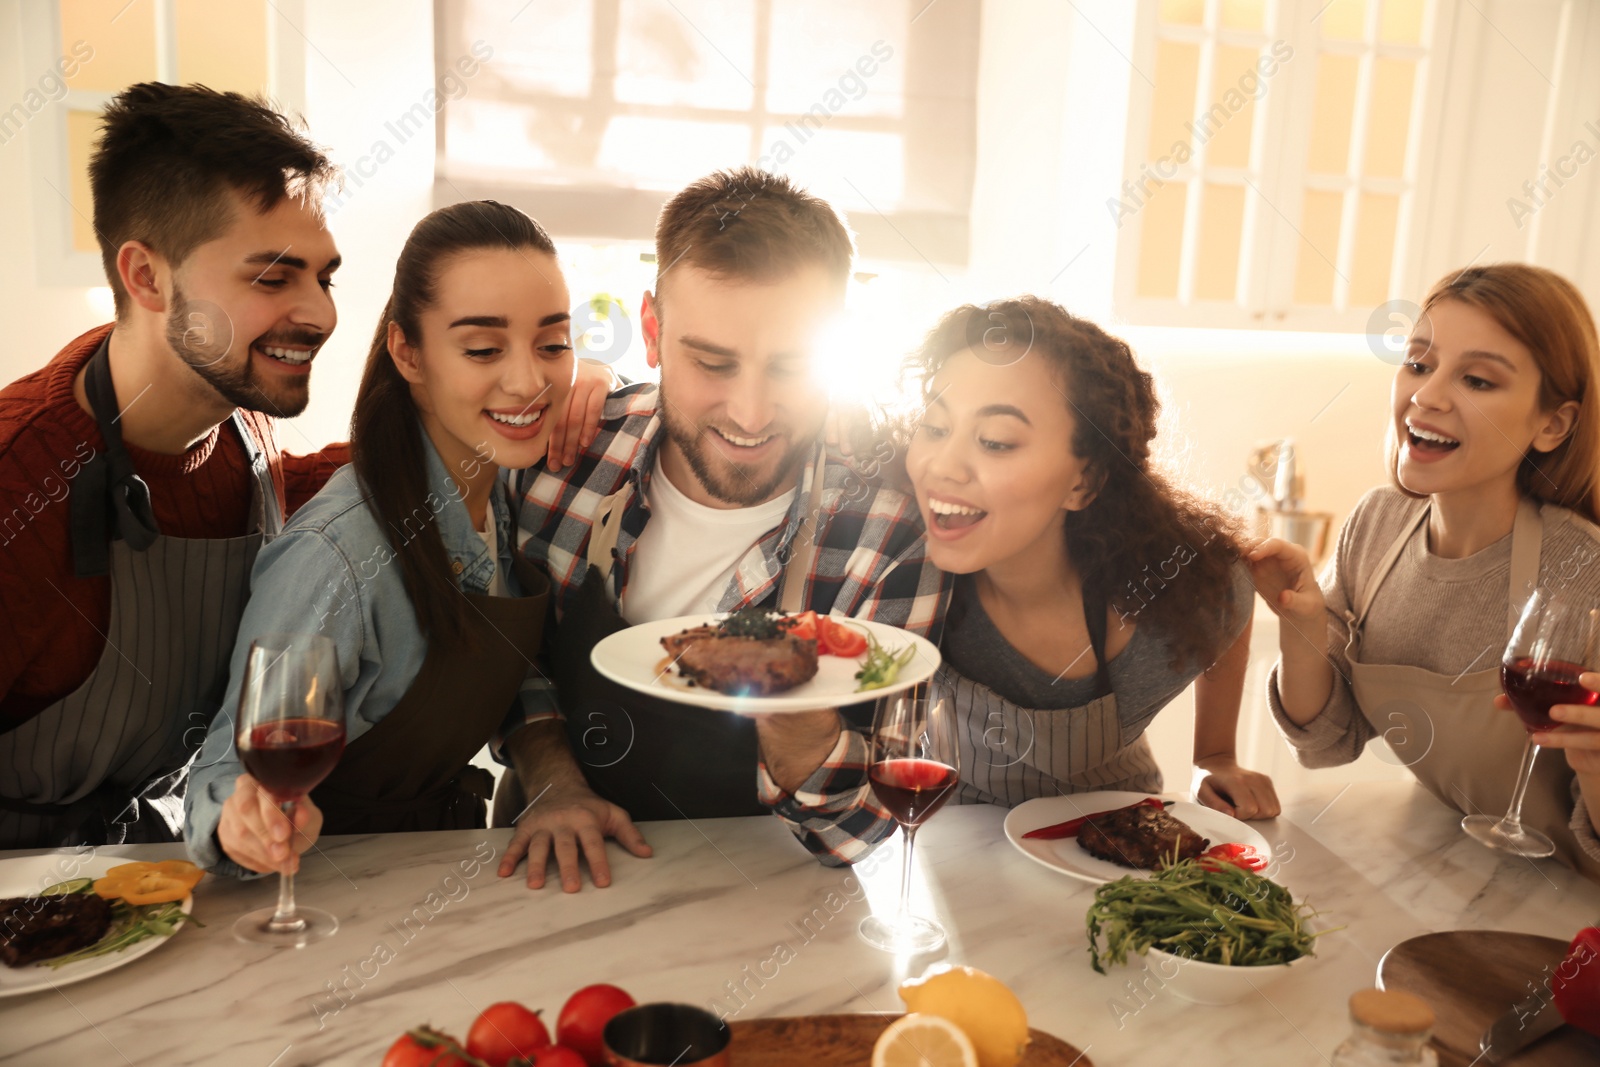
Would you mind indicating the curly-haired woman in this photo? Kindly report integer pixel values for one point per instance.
(1091, 590)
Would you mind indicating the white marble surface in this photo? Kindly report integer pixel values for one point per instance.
(715, 905)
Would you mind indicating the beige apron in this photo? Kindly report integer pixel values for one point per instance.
(1445, 728)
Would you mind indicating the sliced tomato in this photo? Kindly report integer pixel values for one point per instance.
(839, 638)
(804, 626)
(1239, 855)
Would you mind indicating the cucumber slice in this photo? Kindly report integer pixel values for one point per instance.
(63, 889)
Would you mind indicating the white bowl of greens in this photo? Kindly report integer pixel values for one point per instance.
(1210, 932)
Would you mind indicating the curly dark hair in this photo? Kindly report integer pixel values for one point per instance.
(1153, 551)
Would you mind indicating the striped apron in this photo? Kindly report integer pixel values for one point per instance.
(107, 764)
(1010, 754)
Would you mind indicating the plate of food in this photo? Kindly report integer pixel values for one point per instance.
(758, 661)
(66, 917)
(1100, 837)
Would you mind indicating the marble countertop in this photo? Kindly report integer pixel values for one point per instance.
(734, 913)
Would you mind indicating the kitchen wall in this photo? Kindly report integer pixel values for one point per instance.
(1038, 224)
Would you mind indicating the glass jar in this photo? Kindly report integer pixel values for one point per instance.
(1387, 1027)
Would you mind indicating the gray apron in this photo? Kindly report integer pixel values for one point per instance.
(1446, 729)
(1010, 754)
(107, 764)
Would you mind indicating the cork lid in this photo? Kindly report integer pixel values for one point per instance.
(1391, 1011)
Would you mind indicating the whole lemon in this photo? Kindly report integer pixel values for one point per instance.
(980, 1004)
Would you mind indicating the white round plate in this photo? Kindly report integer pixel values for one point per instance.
(634, 658)
(26, 877)
(1070, 858)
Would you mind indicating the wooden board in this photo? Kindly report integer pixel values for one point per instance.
(1472, 977)
(847, 1040)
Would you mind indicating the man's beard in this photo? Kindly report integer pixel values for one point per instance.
(727, 481)
(201, 333)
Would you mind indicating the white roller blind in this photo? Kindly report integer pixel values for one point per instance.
(590, 113)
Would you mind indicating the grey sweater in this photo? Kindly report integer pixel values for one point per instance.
(1463, 603)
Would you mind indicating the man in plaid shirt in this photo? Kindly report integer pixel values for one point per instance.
(708, 487)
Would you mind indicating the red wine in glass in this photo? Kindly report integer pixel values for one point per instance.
(915, 767)
(289, 734)
(912, 789)
(1534, 687)
(291, 757)
(1556, 634)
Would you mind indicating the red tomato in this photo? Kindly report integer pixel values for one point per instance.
(804, 626)
(505, 1030)
(840, 639)
(424, 1048)
(557, 1056)
(585, 1015)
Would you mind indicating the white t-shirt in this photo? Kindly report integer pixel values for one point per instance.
(685, 558)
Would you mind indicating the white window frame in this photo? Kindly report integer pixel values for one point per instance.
(1271, 242)
(56, 260)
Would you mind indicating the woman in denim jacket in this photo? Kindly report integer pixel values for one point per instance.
(405, 560)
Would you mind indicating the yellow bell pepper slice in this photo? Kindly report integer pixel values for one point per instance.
(149, 883)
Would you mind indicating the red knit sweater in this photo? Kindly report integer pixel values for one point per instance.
(52, 624)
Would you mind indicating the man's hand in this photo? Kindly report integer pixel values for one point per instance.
(255, 834)
(794, 745)
(576, 427)
(1232, 790)
(564, 821)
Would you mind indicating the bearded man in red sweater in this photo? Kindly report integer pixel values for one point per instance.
(139, 470)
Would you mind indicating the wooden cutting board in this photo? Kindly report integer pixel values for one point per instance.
(1472, 977)
(847, 1040)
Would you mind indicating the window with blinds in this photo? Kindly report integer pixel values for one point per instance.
(590, 113)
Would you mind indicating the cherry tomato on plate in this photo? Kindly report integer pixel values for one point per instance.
(584, 1016)
(840, 639)
(423, 1047)
(504, 1031)
(804, 626)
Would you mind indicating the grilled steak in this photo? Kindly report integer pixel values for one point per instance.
(1143, 838)
(37, 928)
(742, 666)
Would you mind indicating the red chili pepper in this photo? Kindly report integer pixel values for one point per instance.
(1071, 827)
(1576, 983)
(1239, 855)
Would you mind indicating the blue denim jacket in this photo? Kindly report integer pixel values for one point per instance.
(332, 571)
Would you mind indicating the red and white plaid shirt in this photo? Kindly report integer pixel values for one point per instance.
(871, 563)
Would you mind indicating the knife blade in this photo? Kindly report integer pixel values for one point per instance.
(1526, 1022)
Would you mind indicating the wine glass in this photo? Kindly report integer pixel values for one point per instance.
(290, 733)
(1555, 641)
(914, 769)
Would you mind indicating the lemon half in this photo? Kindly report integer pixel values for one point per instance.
(924, 1041)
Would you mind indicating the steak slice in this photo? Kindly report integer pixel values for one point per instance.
(37, 928)
(742, 666)
(1143, 838)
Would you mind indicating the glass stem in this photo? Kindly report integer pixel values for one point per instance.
(910, 833)
(285, 916)
(1512, 823)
